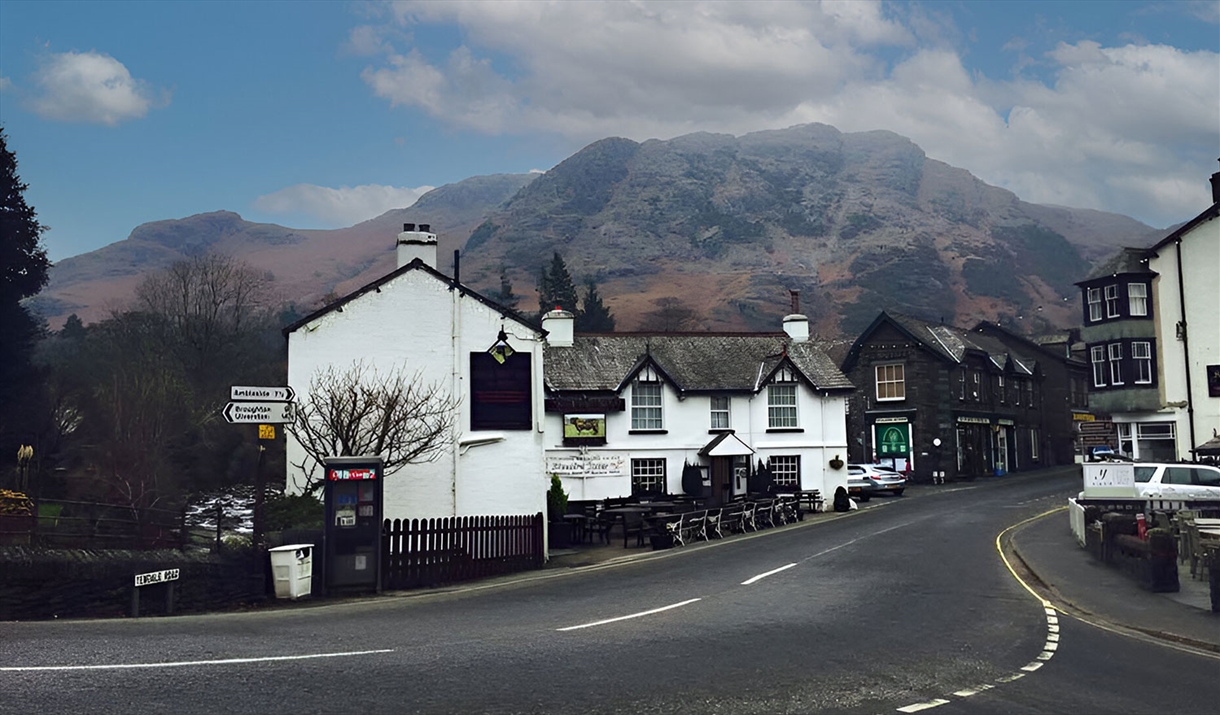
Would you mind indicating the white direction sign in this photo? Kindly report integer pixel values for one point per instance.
(267, 413)
(277, 394)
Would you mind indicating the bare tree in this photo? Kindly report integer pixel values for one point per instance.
(359, 411)
(672, 315)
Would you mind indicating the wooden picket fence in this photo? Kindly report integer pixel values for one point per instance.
(432, 552)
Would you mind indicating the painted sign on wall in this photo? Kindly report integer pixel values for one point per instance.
(587, 465)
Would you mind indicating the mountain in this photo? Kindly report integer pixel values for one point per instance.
(720, 225)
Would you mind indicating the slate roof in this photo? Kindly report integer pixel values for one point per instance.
(1127, 260)
(951, 343)
(693, 362)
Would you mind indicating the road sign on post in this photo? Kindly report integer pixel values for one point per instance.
(269, 394)
(258, 413)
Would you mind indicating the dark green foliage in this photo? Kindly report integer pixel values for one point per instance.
(1038, 251)
(991, 279)
(692, 480)
(594, 316)
(856, 224)
(556, 500)
(485, 231)
(288, 511)
(555, 288)
(505, 296)
(23, 260)
(672, 315)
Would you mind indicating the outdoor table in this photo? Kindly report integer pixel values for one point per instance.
(619, 513)
(579, 524)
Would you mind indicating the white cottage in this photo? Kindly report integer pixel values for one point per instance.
(420, 320)
(629, 413)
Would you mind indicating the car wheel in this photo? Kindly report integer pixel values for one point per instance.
(864, 496)
(897, 492)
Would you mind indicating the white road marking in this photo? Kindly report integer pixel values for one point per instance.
(1052, 628)
(187, 663)
(761, 576)
(1053, 637)
(1045, 655)
(974, 691)
(633, 615)
(1010, 678)
(922, 706)
(1050, 646)
(1032, 667)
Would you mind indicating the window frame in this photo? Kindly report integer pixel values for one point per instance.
(714, 411)
(1097, 359)
(1115, 353)
(642, 413)
(1093, 298)
(782, 411)
(791, 474)
(1141, 363)
(1112, 302)
(899, 381)
(645, 469)
(1142, 300)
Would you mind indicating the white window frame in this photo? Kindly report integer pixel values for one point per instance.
(647, 405)
(1112, 301)
(1033, 442)
(719, 412)
(1000, 388)
(1143, 362)
(781, 406)
(1137, 299)
(1097, 357)
(785, 470)
(648, 471)
(894, 378)
(1094, 298)
(1115, 352)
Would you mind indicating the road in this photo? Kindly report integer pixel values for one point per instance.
(905, 606)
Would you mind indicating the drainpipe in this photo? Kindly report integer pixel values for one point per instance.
(455, 343)
(1190, 403)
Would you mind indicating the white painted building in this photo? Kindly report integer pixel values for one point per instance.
(626, 413)
(421, 321)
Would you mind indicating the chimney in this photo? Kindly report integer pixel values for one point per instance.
(796, 325)
(414, 244)
(1216, 188)
(559, 325)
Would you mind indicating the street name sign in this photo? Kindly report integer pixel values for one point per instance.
(147, 579)
(270, 394)
(266, 413)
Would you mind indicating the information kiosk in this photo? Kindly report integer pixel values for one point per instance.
(352, 535)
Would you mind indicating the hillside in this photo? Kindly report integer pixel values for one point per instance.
(726, 225)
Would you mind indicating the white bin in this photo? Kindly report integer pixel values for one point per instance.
(292, 570)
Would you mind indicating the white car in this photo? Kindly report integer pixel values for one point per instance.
(864, 480)
(1177, 481)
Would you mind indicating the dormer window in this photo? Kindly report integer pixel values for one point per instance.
(646, 404)
(781, 401)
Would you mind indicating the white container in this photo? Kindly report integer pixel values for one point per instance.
(292, 570)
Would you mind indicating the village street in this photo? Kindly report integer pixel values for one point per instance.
(901, 606)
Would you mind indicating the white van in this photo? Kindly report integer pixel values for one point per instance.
(1177, 481)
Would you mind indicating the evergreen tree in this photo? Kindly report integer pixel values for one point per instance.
(594, 316)
(506, 297)
(556, 289)
(23, 260)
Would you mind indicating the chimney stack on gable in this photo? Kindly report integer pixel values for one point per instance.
(1216, 188)
(560, 326)
(414, 244)
(796, 325)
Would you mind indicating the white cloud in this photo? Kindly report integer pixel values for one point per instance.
(340, 207)
(91, 87)
(5, 83)
(1118, 128)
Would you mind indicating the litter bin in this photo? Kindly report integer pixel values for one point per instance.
(292, 570)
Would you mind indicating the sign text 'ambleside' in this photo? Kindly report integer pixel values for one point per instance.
(277, 394)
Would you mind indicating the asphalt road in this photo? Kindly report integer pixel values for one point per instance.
(903, 606)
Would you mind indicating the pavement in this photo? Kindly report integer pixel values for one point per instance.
(1072, 580)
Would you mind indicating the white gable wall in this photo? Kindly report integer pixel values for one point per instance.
(411, 322)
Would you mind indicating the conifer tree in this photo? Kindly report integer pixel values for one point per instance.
(555, 288)
(594, 316)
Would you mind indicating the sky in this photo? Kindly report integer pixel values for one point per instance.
(322, 114)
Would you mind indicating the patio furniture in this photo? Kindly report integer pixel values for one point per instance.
(730, 518)
(747, 516)
(711, 524)
(694, 526)
(764, 512)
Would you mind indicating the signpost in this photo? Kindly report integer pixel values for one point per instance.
(165, 576)
(265, 407)
(273, 394)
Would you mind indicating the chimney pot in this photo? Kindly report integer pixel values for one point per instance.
(425, 227)
(408, 227)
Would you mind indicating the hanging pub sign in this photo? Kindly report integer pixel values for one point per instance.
(584, 429)
(893, 440)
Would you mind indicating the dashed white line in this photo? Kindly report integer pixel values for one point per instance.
(1010, 678)
(1032, 667)
(761, 576)
(974, 691)
(632, 615)
(186, 663)
(922, 706)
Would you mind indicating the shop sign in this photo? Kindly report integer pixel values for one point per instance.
(893, 440)
(1006, 423)
(974, 420)
(587, 465)
(890, 420)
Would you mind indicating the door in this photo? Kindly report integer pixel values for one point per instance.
(722, 481)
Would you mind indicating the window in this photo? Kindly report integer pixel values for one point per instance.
(1112, 301)
(781, 405)
(1137, 298)
(1097, 355)
(1033, 442)
(1116, 363)
(1094, 304)
(720, 413)
(646, 405)
(977, 382)
(500, 395)
(961, 384)
(786, 471)
(1141, 354)
(891, 384)
(1017, 387)
(648, 476)
(999, 388)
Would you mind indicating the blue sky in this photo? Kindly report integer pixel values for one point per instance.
(323, 114)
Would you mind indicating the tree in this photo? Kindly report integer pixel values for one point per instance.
(556, 289)
(23, 261)
(594, 316)
(671, 315)
(506, 297)
(360, 411)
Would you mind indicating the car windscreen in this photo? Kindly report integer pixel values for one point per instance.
(1143, 474)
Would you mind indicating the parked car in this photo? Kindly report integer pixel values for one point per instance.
(1177, 481)
(1101, 453)
(864, 480)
